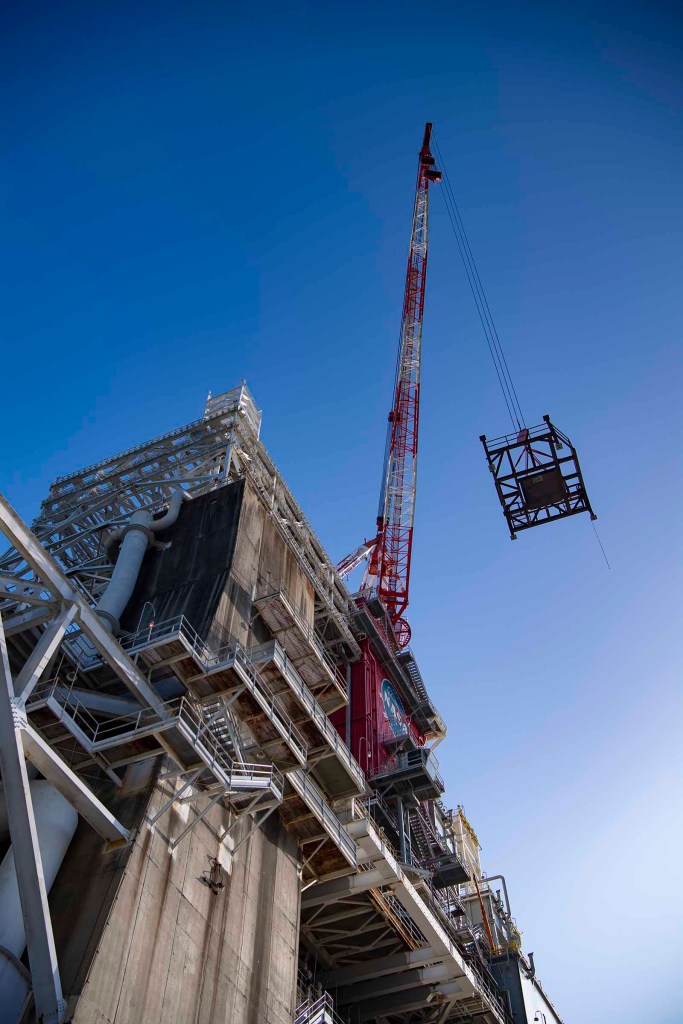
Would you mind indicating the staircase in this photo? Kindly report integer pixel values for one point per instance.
(423, 839)
(219, 718)
(318, 1010)
(433, 852)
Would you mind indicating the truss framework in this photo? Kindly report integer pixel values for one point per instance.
(387, 942)
(83, 508)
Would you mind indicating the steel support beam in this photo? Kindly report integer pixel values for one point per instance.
(350, 885)
(28, 618)
(391, 983)
(104, 703)
(45, 980)
(70, 785)
(21, 591)
(40, 656)
(398, 1002)
(54, 580)
(380, 967)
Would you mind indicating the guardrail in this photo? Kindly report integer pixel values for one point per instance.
(151, 635)
(421, 757)
(280, 589)
(273, 651)
(317, 1010)
(267, 700)
(314, 799)
(179, 628)
(399, 911)
(247, 658)
(180, 712)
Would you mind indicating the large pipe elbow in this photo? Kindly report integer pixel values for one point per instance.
(135, 539)
(501, 878)
(177, 498)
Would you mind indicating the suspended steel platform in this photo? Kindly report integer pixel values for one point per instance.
(537, 476)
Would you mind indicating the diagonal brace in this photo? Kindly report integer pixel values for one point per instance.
(71, 786)
(40, 656)
(47, 988)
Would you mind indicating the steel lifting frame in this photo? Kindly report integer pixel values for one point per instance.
(516, 459)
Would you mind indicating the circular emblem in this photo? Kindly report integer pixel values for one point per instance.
(393, 709)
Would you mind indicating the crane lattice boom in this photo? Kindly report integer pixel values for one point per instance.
(389, 569)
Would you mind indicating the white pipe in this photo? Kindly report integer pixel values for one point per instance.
(169, 519)
(56, 822)
(32, 773)
(136, 537)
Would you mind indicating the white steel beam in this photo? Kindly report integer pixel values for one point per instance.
(54, 580)
(40, 656)
(20, 621)
(13, 588)
(340, 888)
(378, 968)
(70, 785)
(358, 992)
(103, 703)
(45, 980)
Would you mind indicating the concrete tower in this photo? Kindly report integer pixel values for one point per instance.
(221, 802)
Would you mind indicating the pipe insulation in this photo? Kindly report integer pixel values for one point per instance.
(135, 537)
(56, 822)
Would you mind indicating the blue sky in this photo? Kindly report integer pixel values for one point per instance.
(196, 193)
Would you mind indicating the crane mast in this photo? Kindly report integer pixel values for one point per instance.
(388, 571)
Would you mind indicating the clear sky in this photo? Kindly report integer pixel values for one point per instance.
(200, 192)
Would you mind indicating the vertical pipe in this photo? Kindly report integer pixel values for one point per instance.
(56, 822)
(348, 706)
(401, 829)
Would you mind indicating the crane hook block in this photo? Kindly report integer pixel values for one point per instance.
(537, 476)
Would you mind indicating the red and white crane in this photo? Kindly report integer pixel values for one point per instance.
(388, 570)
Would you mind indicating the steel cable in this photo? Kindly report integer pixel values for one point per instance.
(483, 308)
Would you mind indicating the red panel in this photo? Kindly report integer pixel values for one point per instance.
(371, 727)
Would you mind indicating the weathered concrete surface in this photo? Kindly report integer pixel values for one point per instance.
(149, 943)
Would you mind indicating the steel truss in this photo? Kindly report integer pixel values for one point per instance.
(82, 509)
(389, 946)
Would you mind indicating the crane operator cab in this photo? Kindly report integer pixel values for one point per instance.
(537, 476)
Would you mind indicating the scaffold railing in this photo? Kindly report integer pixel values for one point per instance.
(317, 1009)
(280, 588)
(155, 634)
(420, 758)
(316, 802)
(180, 711)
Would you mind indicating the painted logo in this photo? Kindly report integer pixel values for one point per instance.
(393, 709)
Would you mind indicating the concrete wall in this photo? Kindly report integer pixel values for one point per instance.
(142, 940)
(261, 555)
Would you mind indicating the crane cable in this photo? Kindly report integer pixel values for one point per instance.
(483, 309)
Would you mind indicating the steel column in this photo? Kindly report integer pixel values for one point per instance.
(47, 988)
